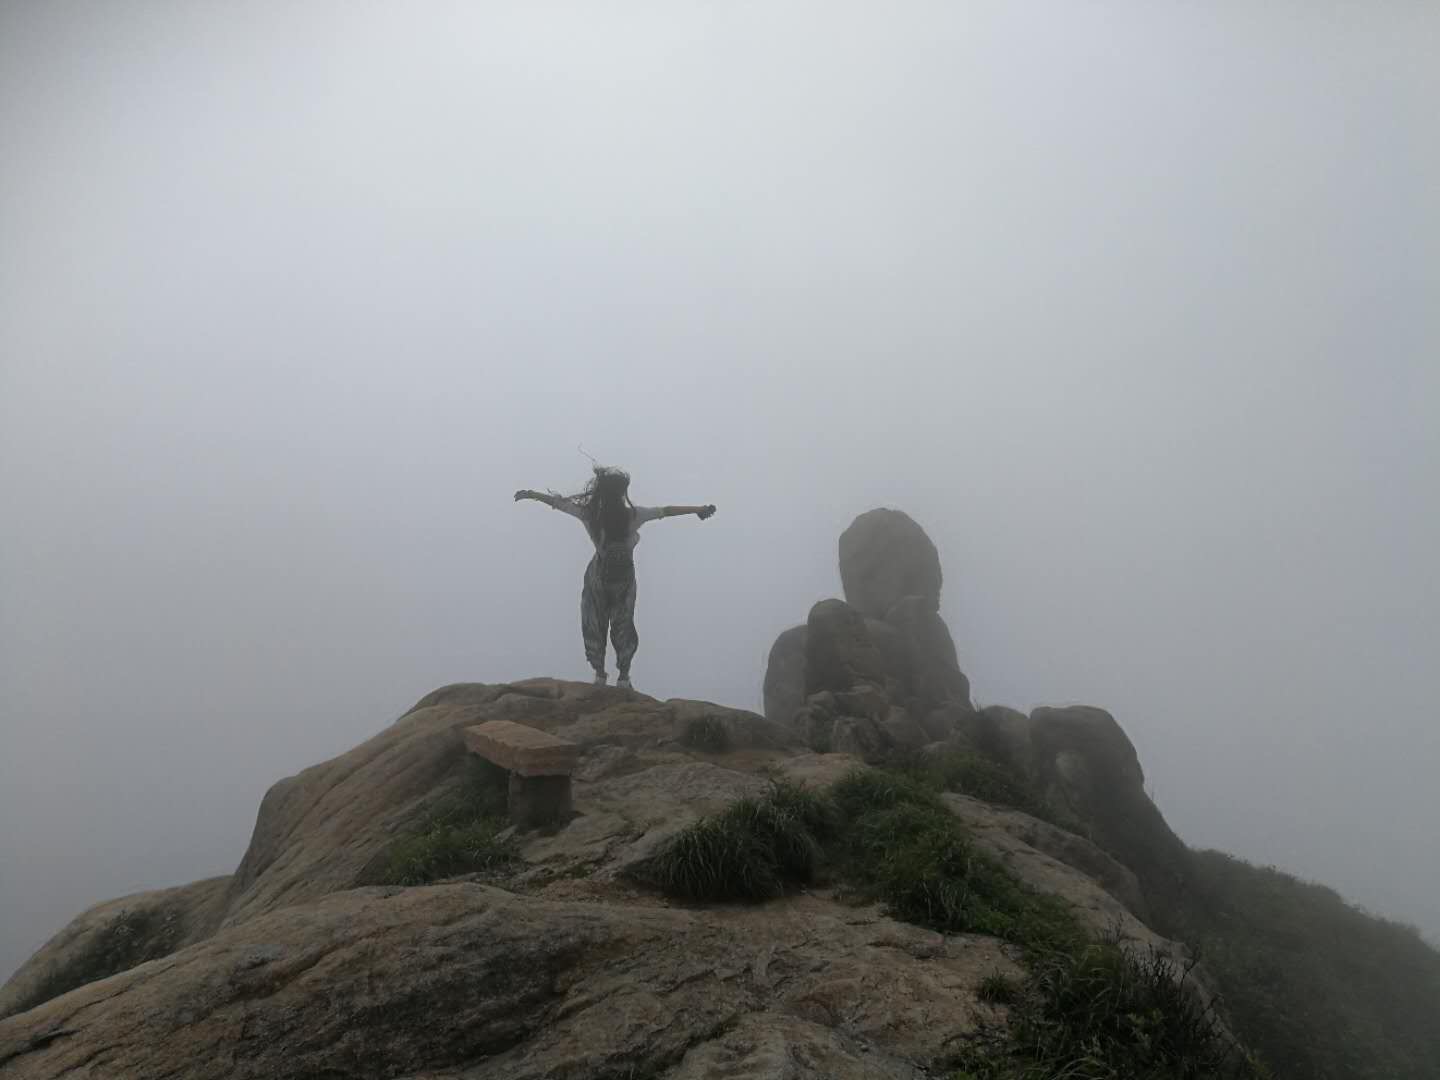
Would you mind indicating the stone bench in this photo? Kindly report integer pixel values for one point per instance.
(539, 764)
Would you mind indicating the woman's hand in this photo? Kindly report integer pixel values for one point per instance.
(526, 493)
(705, 511)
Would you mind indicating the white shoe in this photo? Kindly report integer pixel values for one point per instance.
(601, 678)
(623, 682)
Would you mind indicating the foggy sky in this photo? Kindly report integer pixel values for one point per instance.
(1131, 305)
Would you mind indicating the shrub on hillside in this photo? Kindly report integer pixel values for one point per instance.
(1104, 1012)
(1318, 988)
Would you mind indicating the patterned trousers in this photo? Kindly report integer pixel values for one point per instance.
(607, 602)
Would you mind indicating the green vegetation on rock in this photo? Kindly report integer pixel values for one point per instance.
(462, 834)
(1317, 988)
(750, 851)
(900, 845)
(706, 734)
(1089, 1009)
(999, 989)
(1104, 1012)
(969, 772)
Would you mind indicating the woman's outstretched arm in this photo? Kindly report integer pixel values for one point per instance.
(702, 512)
(550, 499)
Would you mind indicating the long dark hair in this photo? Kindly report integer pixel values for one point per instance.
(606, 501)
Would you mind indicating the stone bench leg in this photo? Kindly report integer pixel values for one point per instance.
(539, 800)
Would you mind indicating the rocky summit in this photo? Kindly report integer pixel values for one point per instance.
(391, 919)
(558, 965)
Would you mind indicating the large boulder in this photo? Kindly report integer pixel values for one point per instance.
(903, 731)
(847, 708)
(1105, 895)
(1003, 733)
(884, 557)
(785, 676)
(849, 723)
(1088, 770)
(839, 653)
(894, 653)
(1093, 736)
(787, 682)
(997, 732)
(888, 633)
(931, 676)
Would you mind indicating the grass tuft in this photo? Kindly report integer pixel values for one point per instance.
(752, 850)
(1103, 1012)
(998, 989)
(460, 835)
(717, 858)
(813, 810)
(446, 850)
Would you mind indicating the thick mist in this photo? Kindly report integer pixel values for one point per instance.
(1131, 305)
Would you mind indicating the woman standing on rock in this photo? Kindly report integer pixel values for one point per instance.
(608, 597)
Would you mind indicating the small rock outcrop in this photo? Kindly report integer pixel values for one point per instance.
(876, 672)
